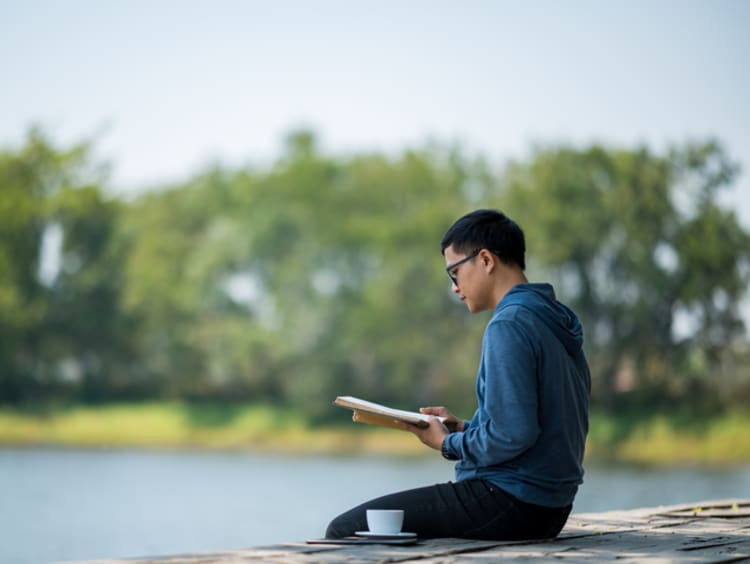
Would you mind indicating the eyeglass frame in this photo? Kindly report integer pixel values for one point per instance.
(450, 267)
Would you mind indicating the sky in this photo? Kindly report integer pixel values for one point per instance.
(166, 88)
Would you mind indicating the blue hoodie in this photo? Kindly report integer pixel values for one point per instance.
(528, 434)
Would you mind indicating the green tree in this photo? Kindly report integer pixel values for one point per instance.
(321, 276)
(85, 330)
(52, 330)
(27, 177)
(636, 242)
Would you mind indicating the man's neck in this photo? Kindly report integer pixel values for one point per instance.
(511, 277)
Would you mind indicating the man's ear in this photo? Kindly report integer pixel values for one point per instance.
(489, 261)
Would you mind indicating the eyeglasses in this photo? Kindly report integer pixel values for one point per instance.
(451, 267)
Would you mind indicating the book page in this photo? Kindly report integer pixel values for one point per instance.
(372, 407)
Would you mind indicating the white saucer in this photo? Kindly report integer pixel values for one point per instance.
(371, 535)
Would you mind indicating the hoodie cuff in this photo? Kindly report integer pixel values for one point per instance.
(446, 451)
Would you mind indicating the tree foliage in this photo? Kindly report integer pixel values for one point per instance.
(640, 248)
(322, 276)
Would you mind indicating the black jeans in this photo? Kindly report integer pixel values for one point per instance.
(472, 509)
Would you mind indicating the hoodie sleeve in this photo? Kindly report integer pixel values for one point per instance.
(506, 423)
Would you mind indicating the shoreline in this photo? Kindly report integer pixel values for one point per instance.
(655, 441)
(590, 461)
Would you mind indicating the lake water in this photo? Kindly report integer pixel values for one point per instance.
(77, 504)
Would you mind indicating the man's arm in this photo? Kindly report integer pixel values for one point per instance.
(506, 424)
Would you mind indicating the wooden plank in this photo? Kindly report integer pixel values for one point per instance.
(718, 533)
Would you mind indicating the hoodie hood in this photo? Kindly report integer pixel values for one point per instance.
(540, 300)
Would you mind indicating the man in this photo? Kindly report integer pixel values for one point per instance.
(520, 457)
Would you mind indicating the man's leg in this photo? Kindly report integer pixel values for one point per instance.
(468, 509)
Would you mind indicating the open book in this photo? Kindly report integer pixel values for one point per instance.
(376, 414)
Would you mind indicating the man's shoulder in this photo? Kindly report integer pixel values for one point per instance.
(516, 322)
(514, 312)
(512, 324)
(528, 303)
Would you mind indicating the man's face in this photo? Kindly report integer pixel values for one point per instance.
(468, 279)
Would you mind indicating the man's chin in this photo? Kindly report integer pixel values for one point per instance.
(474, 307)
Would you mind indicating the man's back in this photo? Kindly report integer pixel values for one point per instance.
(533, 390)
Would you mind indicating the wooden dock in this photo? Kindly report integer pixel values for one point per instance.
(709, 531)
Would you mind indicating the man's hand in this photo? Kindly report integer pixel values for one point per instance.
(433, 435)
(451, 421)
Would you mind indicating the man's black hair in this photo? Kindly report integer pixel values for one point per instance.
(487, 229)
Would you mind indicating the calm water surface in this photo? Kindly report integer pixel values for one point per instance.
(76, 505)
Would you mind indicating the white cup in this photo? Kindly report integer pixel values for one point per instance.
(385, 521)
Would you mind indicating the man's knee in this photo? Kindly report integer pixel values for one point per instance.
(336, 529)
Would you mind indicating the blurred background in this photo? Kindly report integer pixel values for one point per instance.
(217, 217)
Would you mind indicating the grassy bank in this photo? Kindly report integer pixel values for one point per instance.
(638, 439)
(677, 439)
(177, 425)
